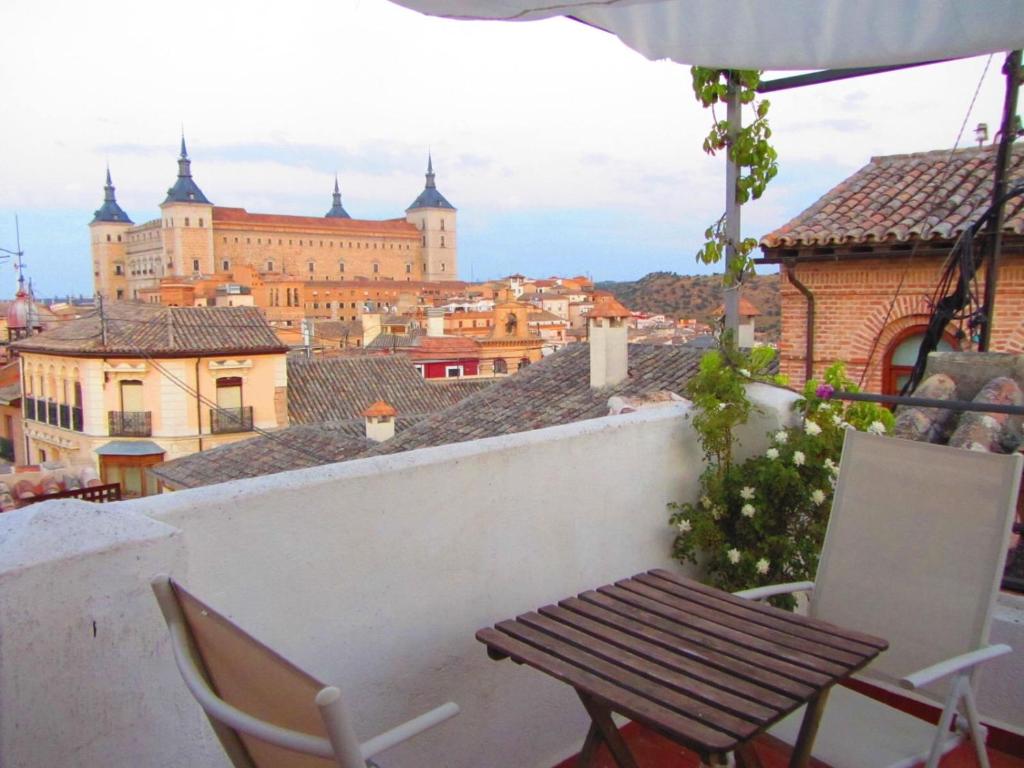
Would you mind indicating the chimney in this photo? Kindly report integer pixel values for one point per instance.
(380, 421)
(371, 327)
(608, 343)
(435, 322)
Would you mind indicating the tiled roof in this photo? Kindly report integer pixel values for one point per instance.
(431, 347)
(134, 329)
(295, 447)
(338, 388)
(335, 226)
(380, 408)
(394, 340)
(746, 309)
(927, 195)
(554, 391)
(337, 329)
(609, 307)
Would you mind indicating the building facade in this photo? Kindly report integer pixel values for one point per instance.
(195, 238)
(139, 384)
(861, 267)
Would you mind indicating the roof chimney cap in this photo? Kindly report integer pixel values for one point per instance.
(608, 306)
(380, 408)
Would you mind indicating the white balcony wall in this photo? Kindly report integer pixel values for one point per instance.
(372, 574)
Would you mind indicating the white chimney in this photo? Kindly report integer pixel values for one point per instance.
(380, 421)
(608, 343)
(371, 327)
(435, 321)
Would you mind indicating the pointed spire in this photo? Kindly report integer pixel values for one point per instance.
(430, 197)
(110, 211)
(337, 210)
(430, 172)
(185, 190)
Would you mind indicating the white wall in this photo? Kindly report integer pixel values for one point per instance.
(86, 675)
(372, 574)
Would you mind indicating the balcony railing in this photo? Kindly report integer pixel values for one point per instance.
(130, 423)
(226, 420)
(55, 414)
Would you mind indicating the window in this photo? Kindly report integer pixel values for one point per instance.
(119, 238)
(419, 368)
(376, 268)
(120, 294)
(108, 238)
(408, 269)
(186, 221)
(200, 222)
(310, 266)
(270, 266)
(442, 266)
(248, 241)
(452, 371)
(225, 265)
(500, 366)
(442, 225)
(132, 400)
(902, 354)
(523, 363)
(442, 241)
(195, 265)
(341, 267)
(118, 269)
(229, 392)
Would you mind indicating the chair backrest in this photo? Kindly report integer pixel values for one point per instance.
(915, 547)
(255, 679)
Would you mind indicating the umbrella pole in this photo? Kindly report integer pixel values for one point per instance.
(732, 210)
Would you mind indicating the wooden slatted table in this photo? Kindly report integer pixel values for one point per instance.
(706, 668)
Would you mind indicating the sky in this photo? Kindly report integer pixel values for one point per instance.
(564, 151)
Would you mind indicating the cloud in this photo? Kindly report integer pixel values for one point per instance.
(833, 124)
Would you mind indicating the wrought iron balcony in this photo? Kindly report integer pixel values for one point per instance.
(130, 423)
(226, 420)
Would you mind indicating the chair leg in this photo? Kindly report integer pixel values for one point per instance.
(977, 730)
(942, 729)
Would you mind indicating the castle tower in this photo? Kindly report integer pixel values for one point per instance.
(337, 210)
(435, 218)
(107, 231)
(187, 224)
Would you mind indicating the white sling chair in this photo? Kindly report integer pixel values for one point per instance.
(264, 709)
(914, 553)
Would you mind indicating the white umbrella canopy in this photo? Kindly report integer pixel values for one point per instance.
(776, 34)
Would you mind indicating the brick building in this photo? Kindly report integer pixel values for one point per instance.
(194, 238)
(864, 261)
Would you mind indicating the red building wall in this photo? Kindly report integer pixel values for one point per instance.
(436, 370)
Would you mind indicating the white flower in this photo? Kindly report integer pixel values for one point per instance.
(772, 453)
(818, 496)
(705, 502)
(781, 437)
(747, 493)
(876, 428)
(716, 513)
(762, 566)
(722, 406)
(831, 466)
(684, 526)
(743, 372)
(837, 419)
(799, 458)
(748, 510)
(733, 555)
(812, 428)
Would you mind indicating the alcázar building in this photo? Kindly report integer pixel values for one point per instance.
(193, 237)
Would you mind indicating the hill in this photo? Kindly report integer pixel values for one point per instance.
(697, 296)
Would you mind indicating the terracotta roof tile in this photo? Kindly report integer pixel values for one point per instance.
(339, 388)
(926, 195)
(329, 226)
(380, 408)
(133, 328)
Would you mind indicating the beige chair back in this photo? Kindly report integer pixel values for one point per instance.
(915, 547)
(250, 676)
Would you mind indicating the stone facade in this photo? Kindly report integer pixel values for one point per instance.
(195, 238)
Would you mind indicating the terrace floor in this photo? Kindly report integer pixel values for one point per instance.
(651, 749)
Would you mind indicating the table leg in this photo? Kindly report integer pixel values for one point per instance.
(809, 729)
(601, 719)
(747, 757)
(590, 745)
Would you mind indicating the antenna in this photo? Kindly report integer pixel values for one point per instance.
(6, 254)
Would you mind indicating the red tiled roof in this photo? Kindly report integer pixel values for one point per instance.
(429, 347)
(607, 306)
(241, 217)
(926, 195)
(746, 309)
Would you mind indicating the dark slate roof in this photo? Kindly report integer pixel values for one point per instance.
(395, 341)
(430, 197)
(926, 195)
(295, 447)
(554, 391)
(185, 190)
(110, 210)
(134, 329)
(339, 388)
(337, 209)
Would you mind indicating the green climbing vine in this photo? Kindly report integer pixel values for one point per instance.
(750, 149)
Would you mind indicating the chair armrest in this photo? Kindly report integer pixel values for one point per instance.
(761, 593)
(959, 663)
(408, 729)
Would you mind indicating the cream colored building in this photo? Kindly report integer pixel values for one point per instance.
(193, 237)
(143, 383)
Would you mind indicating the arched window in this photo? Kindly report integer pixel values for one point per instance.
(902, 354)
(376, 268)
(500, 366)
(341, 267)
(523, 363)
(310, 266)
